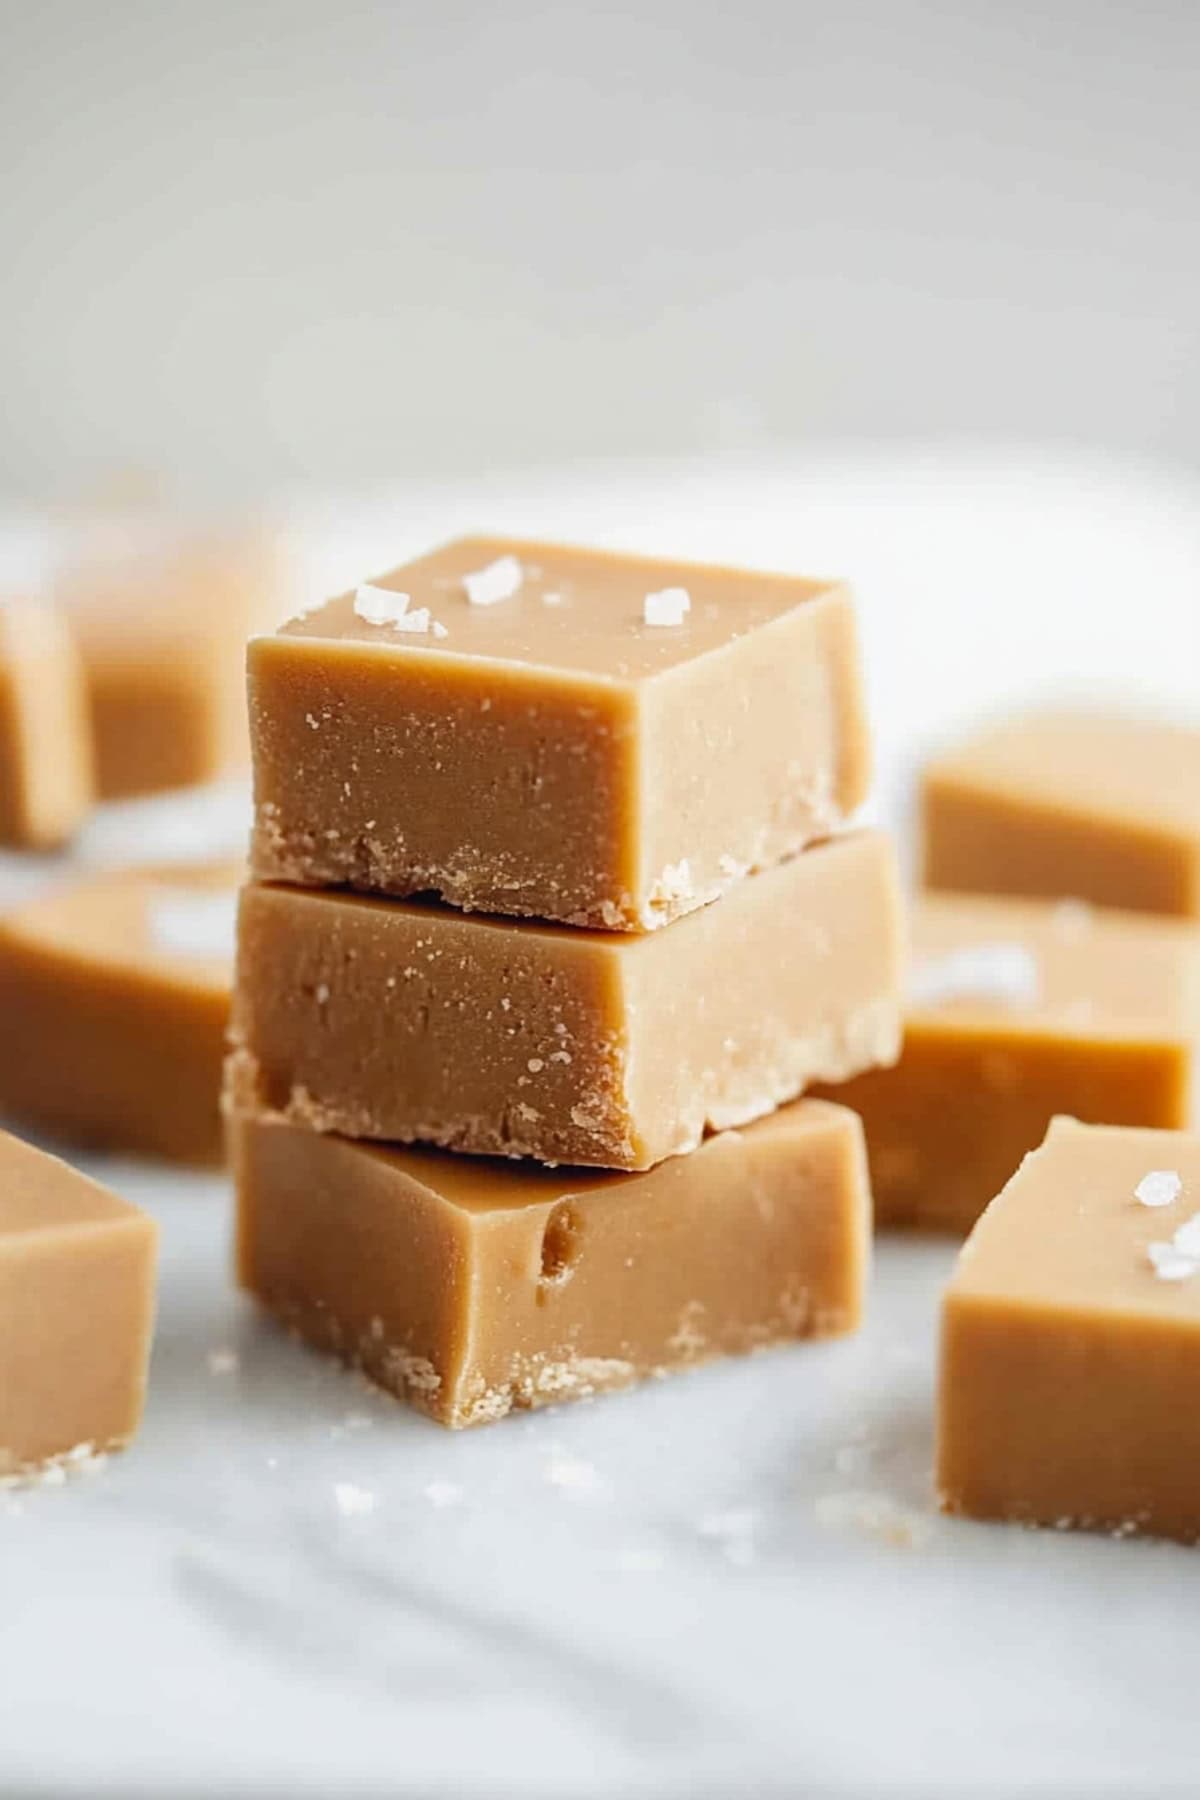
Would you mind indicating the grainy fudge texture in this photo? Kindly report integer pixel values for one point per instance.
(550, 753)
(162, 615)
(1020, 1009)
(76, 1312)
(416, 1022)
(45, 748)
(1071, 1340)
(470, 1287)
(114, 992)
(1102, 808)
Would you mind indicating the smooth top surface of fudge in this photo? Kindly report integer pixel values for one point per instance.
(1132, 770)
(1058, 967)
(41, 1193)
(1069, 1232)
(484, 1184)
(575, 611)
(175, 921)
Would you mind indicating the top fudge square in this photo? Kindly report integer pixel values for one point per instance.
(602, 740)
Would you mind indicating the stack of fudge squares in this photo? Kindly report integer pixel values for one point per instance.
(552, 920)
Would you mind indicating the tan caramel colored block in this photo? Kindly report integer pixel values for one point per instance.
(162, 615)
(1103, 1024)
(470, 1287)
(45, 748)
(1069, 1367)
(114, 992)
(76, 1311)
(552, 755)
(1103, 808)
(387, 1019)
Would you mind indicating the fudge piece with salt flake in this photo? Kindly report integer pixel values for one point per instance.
(76, 1314)
(565, 734)
(1070, 1353)
(1017, 1010)
(114, 991)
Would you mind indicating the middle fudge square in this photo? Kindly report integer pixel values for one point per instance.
(417, 1023)
(606, 741)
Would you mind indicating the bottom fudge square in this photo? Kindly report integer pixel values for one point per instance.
(76, 1312)
(469, 1287)
(1071, 1340)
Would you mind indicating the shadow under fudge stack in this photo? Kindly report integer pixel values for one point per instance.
(546, 869)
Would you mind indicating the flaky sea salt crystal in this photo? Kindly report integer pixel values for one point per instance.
(438, 629)
(1187, 1238)
(379, 606)
(351, 1500)
(669, 606)
(500, 580)
(1170, 1263)
(191, 922)
(1007, 973)
(1161, 1187)
(416, 622)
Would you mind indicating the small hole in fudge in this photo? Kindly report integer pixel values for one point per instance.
(561, 1244)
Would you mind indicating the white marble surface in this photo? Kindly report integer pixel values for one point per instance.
(731, 1583)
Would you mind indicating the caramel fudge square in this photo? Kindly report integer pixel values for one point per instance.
(114, 996)
(470, 1288)
(161, 613)
(416, 1022)
(1082, 804)
(45, 746)
(77, 1269)
(558, 733)
(1018, 1010)
(1070, 1357)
